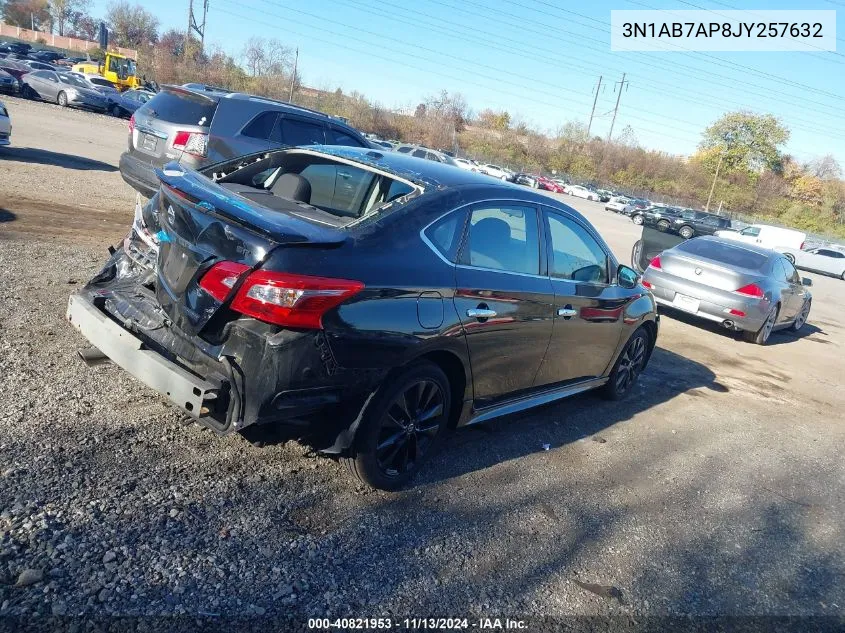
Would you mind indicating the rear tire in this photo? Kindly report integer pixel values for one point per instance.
(686, 232)
(61, 99)
(663, 225)
(115, 111)
(628, 367)
(802, 317)
(761, 336)
(402, 426)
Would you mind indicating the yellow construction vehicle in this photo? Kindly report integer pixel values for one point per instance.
(118, 69)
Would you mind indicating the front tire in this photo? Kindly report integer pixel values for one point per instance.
(638, 220)
(663, 225)
(761, 336)
(628, 367)
(61, 99)
(403, 425)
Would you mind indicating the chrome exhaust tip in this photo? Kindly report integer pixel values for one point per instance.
(92, 356)
(728, 324)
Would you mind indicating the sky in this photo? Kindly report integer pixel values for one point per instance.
(541, 60)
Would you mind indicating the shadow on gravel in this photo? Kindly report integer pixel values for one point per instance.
(778, 337)
(7, 216)
(47, 157)
(474, 448)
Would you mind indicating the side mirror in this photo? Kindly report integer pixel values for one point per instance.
(806, 281)
(627, 277)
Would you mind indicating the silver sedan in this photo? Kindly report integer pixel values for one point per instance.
(741, 286)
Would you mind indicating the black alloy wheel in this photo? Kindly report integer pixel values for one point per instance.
(629, 365)
(402, 427)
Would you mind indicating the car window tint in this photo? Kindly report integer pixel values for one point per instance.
(505, 238)
(180, 108)
(724, 253)
(261, 126)
(404, 150)
(829, 253)
(351, 185)
(296, 132)
(791, 274)
(322, 180)
(445, 234)
(336, 137)
(753, 231)
(434, 157)
(397, 189)
(575, 253)
(418, 153)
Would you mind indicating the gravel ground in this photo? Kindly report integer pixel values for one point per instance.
(716, 490)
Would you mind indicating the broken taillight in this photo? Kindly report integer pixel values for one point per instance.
(219, 280)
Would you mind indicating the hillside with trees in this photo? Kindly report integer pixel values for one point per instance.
(755, 177)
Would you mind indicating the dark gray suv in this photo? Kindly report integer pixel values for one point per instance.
(199, 125)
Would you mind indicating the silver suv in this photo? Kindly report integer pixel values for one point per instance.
(199, 125)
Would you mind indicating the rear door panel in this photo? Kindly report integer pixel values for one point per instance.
(495, 273)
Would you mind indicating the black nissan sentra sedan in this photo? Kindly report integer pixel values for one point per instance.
(363, 302)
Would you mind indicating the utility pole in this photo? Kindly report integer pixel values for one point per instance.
(193, 26)
(293, 76)
(593, 111)
(618, 97)
(715, 177)
(190, 24)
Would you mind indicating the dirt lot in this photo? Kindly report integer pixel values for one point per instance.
(716, 489)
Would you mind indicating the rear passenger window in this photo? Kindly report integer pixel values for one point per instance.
(575, 253)
(418, 153)
(297, 132)
(261, 126)
(505, 238)
(445, 234)
(336, 137)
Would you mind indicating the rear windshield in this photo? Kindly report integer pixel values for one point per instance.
(724, 253)
(180, 108)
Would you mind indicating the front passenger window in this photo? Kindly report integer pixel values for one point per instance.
(575, 253)
(505, 238)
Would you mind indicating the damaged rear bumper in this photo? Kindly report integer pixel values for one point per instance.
(189, 392)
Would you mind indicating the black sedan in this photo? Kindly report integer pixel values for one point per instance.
(362, 301)
(659, 217)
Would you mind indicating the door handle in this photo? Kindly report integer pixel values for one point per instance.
(567, 312)
(481, 313)
(344, 174)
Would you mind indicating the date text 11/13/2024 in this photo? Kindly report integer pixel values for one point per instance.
(417, 624)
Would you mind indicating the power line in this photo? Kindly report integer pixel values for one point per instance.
(282, 26)
(701, 100)
(673, 68)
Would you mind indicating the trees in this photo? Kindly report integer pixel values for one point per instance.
(26, 13)
(825, 168)
(131, 25)
(63, 11)
(745, 141)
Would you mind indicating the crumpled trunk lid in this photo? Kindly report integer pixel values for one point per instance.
(202, 224)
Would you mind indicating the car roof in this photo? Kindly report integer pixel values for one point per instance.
(768, 252)
(421, 171)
